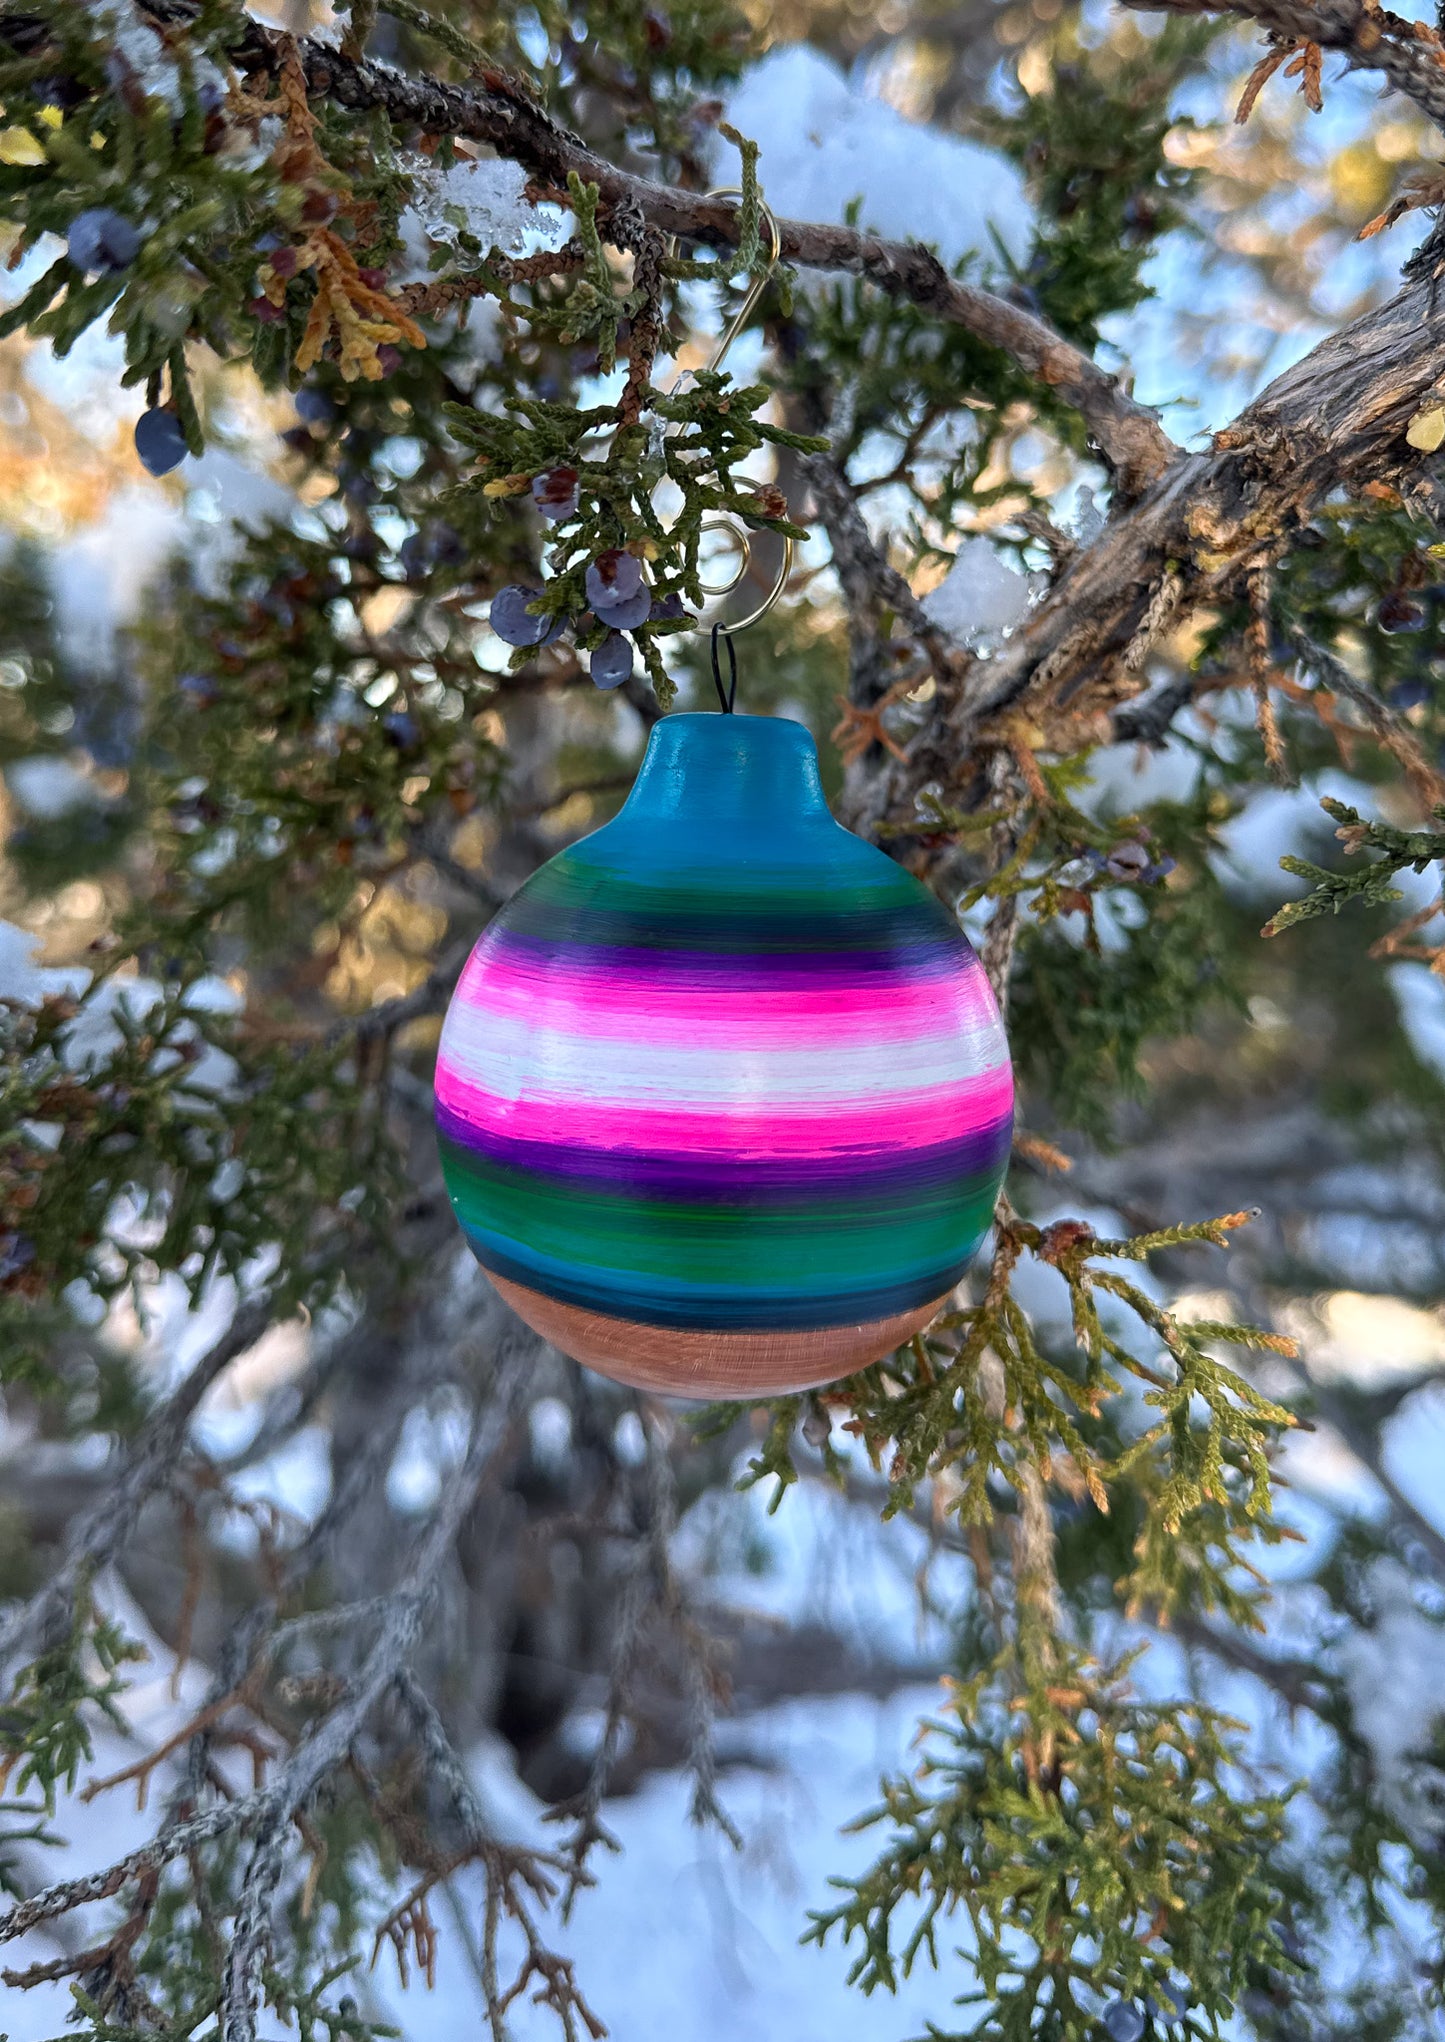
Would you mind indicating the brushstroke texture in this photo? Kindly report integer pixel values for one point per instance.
(722, 1065)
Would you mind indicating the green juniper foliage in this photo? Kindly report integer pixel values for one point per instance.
(1094, 146)
(325, 752)
(46, 1712)
(1402, 851)
(1026, 1819)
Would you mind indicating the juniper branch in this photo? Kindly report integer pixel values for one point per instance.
(494, 108)
(1369, 885)
(1369, 37)
(327, 1744)
(508, 1871)
(97, 1537)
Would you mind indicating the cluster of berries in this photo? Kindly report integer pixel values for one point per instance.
(102, 242)
(1129, 863)
(617, 592)
(1132, 863)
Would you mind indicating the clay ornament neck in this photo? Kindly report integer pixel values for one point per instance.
(719, 769)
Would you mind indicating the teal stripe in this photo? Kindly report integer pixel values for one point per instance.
(575, 901)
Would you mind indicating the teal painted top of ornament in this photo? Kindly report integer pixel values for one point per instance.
(713, 773)
(722, 1064)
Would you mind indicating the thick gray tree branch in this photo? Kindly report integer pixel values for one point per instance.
(327, 1744)
(162, 1850)
(267, 1813)
(1334, 421)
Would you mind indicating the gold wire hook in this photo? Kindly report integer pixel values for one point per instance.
(759, 283)
(736, 530)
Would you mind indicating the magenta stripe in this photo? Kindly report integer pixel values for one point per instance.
(892, 1121)
(633, 1003)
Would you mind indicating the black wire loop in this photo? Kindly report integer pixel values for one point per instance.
(727, 696)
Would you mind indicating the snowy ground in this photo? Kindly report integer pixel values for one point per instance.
(685, 1937)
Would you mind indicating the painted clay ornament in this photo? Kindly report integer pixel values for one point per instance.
(723, 1095)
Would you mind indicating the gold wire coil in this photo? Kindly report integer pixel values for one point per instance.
(738, 534)
(736, 530)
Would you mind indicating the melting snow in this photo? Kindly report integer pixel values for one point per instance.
(485, 197)
(980, 595)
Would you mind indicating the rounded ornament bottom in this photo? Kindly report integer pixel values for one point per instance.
(679, 1363)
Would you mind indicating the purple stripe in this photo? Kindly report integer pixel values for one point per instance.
(725, 1179)
(906, 963)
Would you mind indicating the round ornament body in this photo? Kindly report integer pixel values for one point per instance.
(723, 1096)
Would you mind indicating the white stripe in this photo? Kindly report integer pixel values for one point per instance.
(513, 1059)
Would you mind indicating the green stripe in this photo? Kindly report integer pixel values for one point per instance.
(732, 1247)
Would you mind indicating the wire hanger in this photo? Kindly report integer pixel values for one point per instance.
(735, 529)
(727, 696)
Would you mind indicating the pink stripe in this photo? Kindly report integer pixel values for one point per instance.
(899, 1120)
(632, 1004)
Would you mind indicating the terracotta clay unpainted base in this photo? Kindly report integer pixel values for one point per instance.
(681, 1362)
